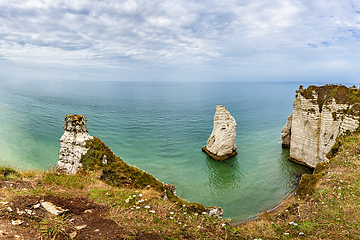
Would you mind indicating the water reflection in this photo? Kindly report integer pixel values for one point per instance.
(291, 172)
(224, 175)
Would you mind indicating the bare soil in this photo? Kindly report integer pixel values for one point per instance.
(83, 216)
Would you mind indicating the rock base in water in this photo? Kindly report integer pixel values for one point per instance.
(219, 158)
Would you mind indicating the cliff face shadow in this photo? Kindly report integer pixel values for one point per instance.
(291, 170)
(223, 175)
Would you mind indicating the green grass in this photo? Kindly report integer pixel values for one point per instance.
(67, 181)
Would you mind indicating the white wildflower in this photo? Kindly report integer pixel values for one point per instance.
(171, 213)
(286, 233)
(140, 195)
(152, 211)
(301, 233)
(147, 206)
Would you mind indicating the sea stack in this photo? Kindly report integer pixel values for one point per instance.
(221, 144)
(320, 115)
(72, 143)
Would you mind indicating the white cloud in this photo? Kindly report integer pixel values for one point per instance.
(182, 35)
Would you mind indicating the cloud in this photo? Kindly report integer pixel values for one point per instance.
(183, 35)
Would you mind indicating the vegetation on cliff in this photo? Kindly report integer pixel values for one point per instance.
(341, 94)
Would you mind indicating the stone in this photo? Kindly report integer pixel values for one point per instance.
(320, 115)
(73, 235)
(51, 208)
(80, 227)
(16, 222)
(221, 144)
(215, 211)
(72, 143)
(169, 188)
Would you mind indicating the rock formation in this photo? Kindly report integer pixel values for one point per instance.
(79, 150)
(221, 144)
(72, 143)
(320, 115)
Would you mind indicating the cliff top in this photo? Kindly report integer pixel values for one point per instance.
(75, 123)
(341, 94)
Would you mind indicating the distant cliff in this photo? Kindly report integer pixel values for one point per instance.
(320, 115)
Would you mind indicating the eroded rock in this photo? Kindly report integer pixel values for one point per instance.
(320, 115)
(221, 144)
(72, 143)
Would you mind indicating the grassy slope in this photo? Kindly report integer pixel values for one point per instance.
(329, 213)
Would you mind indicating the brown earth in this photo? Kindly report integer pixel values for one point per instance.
(82, 220)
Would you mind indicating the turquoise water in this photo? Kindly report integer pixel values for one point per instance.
(161, 128)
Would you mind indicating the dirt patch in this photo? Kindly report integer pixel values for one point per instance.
(149, 236)
(18, 184)
(85, 220)
(9, 231)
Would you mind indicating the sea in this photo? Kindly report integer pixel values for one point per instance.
(160, 127)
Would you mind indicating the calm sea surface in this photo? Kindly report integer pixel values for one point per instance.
(161, 128)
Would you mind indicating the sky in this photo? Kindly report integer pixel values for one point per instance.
(180, 40)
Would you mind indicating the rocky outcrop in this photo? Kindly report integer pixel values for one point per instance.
(79, 150)
(221, 144)
(320, 115)
(286, 133)
(72, 143)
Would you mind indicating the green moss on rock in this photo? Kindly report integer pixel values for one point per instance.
(114, 170)
(308, 182)
(341, 94)
(6, 172)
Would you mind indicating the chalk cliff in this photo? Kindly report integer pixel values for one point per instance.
(221, 144)
(320, 115)
(72, 143)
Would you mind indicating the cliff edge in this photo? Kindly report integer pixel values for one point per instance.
(320, 115)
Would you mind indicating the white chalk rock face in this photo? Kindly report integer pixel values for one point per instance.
(320, 115)
(286, 133)
(72, 143)
(221, 144)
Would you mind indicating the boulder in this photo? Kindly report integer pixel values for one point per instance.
(221, 144)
